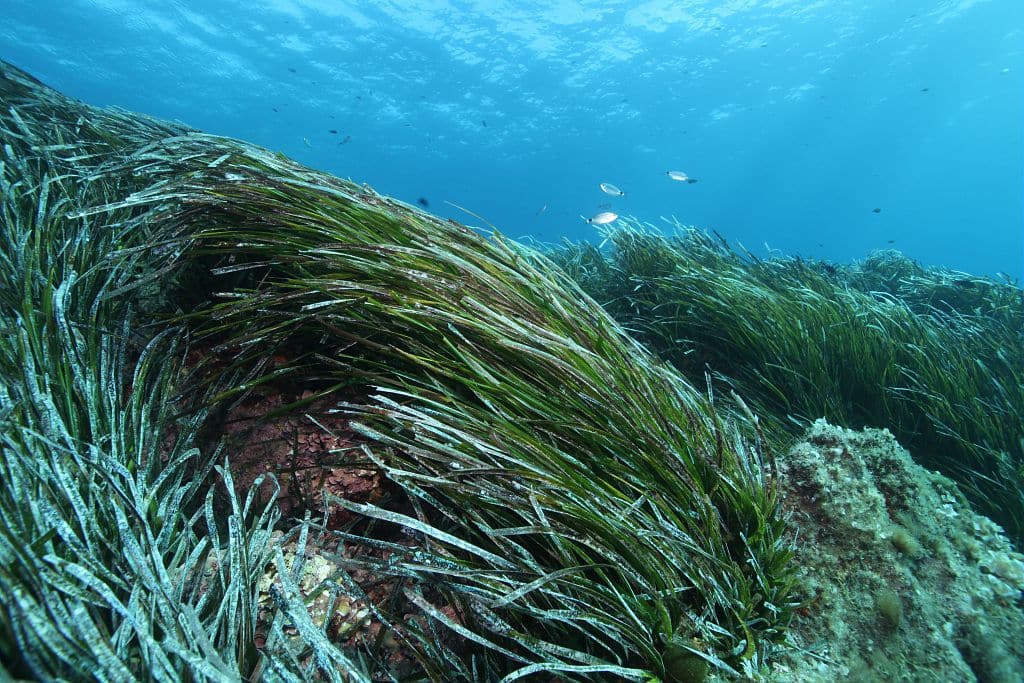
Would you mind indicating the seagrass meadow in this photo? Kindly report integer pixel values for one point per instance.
(575, 462)
(560, 503)
(936, 356)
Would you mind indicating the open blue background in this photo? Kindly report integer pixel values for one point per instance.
(799, 117)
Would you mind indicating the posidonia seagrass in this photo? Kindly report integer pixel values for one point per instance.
(578, 507)
(934, 355)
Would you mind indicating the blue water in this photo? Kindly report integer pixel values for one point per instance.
(799, 118)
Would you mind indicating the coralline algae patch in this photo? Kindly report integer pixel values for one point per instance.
(903, 582)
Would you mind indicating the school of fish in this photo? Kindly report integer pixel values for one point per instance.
(606, 217)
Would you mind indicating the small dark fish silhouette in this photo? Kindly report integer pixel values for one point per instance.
(422, 201)
(274, 108)
(345, 140)
(291, 69)
(483, 123)
(876, 210)
(890, 241)
(332, 131)
(924, 89)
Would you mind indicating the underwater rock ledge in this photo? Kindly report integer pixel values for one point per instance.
(904, 581)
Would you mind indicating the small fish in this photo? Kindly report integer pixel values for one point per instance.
(603, 218)
(542, 209)
(423, 201)
(608, 188)
(347, 139)
(306, 142)
(333, 131)
(876, 210)
(680, 176)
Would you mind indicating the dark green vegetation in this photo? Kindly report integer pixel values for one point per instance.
(890, 607)
(574, 505)
(935, 356)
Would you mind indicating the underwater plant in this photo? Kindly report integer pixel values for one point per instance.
(935, 356)
(564, 502)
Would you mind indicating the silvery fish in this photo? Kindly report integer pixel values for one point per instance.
(603, 218)
(608, 188)
(680, 176)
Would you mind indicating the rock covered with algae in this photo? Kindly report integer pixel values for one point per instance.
(903, 581)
